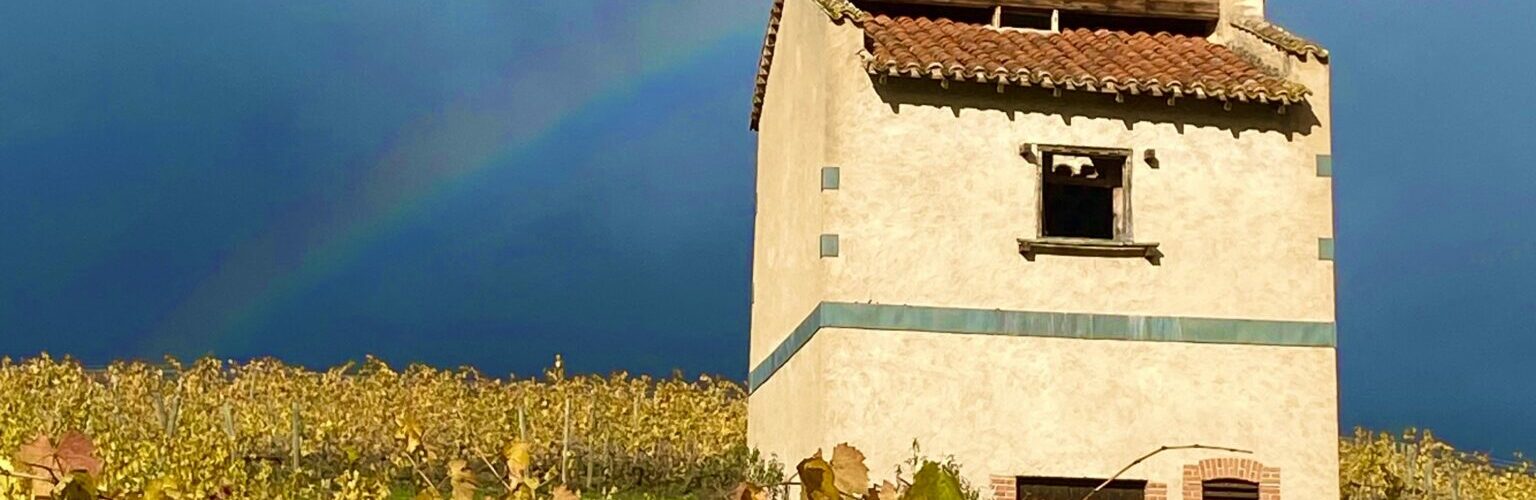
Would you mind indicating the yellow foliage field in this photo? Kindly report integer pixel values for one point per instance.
(269, 430)
(265, 429)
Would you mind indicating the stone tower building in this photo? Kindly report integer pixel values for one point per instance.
(1047, 237)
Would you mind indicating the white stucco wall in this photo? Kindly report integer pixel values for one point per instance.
(1238, 8)
(787, 271)
(1058, 407)
(934, 196)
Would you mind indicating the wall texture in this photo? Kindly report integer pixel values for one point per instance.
(1057, 407)
(786, 268)
(934, 196)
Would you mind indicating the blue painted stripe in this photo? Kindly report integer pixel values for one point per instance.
(1041, 324)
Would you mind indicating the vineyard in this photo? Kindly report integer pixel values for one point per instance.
(264, 429)
(268, 430)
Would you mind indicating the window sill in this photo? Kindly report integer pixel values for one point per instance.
(1089, 248)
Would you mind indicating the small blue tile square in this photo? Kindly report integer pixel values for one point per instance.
(828, 245)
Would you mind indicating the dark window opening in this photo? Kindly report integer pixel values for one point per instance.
(1083, 196)
(972, 15)
(1039, 19)
(1070, 488)
(1087, 20)
(1229, 489)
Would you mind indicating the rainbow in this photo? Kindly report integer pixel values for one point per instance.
(428, 158)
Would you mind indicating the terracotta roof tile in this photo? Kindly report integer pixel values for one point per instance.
(765, 61)
(1282, 38)
(1102, 60)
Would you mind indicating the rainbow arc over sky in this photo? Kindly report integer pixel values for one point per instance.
(442, 149)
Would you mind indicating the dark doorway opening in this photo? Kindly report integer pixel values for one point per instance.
(1074, 488)
(1229, 489)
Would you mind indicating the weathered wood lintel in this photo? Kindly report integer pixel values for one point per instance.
(1089, 248)
(1062, 149)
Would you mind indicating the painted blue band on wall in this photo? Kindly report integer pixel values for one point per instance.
(1041, 324)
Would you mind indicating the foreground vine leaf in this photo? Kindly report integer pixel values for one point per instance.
(462, 480)
(410, 433)
(932, 482)
(818, 481)
(745, 490)
(885, 491)
(518, 461)
(73, 454)
(563, 493)
(36, 456)
(76, 453)
(851, 473)
(77, 486)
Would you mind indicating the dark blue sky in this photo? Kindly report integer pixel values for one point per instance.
(490, 183)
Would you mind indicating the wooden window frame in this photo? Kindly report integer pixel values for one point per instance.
(1122, 244)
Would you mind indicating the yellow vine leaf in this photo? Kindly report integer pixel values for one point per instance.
(932, 482)
(462, 480)
(518, 460)
(818, 481)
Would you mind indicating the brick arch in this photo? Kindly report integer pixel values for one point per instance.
(1245, 469)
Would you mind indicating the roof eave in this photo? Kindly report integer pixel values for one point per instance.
(1172, 90)
(1281, 38)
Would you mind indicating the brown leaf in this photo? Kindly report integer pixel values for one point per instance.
(76, 453)
(885, 491)
(848, 465)
(39, 452)
(563, 493)
(35, 458)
